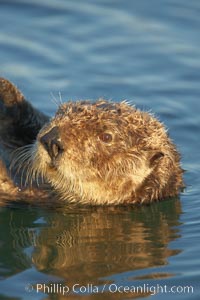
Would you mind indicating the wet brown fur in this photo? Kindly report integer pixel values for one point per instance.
(140, 164)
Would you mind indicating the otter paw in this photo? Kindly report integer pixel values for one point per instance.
(10, 98)
(9, 94)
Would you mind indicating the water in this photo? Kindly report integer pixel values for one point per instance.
(143, 51)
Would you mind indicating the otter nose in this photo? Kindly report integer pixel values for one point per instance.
(51, 143)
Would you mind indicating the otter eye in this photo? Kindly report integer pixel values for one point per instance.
(105, 137)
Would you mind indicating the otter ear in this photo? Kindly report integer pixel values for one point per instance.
(155, 157)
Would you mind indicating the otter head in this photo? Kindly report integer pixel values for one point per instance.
(106, 153)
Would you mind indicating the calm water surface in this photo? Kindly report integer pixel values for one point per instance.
(143, 51)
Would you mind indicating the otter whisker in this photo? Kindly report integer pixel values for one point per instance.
(56, 101)
(33, 173)
(21, 163)
(60, 98)
(24, 173)
(19, 159)
(17, 154)
(29, 177)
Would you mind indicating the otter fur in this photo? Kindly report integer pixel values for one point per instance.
(98, 153)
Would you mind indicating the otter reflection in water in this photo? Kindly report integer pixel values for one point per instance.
(89, 245)
(91, 153)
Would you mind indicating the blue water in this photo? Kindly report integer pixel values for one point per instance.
(144, 51)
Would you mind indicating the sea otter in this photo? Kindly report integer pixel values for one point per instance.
(98, 153)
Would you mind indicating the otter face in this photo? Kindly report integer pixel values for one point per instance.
(102, 153)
